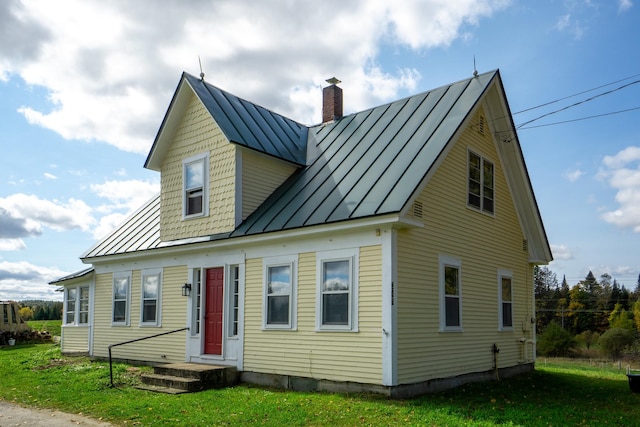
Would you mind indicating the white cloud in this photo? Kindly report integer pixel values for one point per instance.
(50, 176)
(73, 214)
(573, 176)
(130, 194)
(111, 67)
(23, 280)
(622, 173)
(561, 252)
(624, 5)
(12, 245)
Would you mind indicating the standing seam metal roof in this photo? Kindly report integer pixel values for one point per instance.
(369, 163)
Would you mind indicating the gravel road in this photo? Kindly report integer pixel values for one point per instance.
(15, 415)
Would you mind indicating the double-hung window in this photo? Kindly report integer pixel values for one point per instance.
(337, 291)
(450, 294)
(72, 299)
(195, 188)
(481, 184)
(121, 299)
(505, 300)
(280, 293)
(151, 297)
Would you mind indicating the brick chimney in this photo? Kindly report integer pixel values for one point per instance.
(331, 101)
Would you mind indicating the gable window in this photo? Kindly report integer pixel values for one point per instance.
(121, 298)
(481, 185)
(336, 294)
(505, 300)
(279, 293)
(150, 298)
(450, 294)
(195, 179)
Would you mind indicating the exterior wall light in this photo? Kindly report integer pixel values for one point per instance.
(186, 289)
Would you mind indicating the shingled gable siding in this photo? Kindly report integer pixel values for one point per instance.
(337, 356)
(172, 347)
(197, 134)
(484, 244)
(261, 175)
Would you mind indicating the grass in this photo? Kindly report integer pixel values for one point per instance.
(51, 326)
(558, 394)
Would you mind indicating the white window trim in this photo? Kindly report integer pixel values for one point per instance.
(205, 185)
(158, 321)
(128, 301)
(76, 315)
(448, 261)
(482, 160)
(232, 277)
(292, 262)
(338, 255)
(504, 274)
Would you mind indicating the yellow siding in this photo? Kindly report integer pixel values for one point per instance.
(173, 316)
(261, 175)
(75, 339)
(197, 134)
(338, 356)
(483, 244)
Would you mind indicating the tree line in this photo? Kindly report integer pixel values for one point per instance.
(40, 310)
(593, 311)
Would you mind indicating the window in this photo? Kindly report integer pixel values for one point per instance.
(72, 294)
(121, 292)
(505, 301)
(76, 305)
(279, 293)
(195, 178)
(234, 305)
(337, 296)
(450, 294)
(150, 298)
(480, 192)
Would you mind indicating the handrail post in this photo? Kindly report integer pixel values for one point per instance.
(136, 340)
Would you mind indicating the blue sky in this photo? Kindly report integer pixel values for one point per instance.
(84, 86)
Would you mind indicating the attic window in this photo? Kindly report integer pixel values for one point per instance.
(195, 179)
(481, 186)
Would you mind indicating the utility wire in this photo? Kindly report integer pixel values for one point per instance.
(575, 94)
(577, 120)
(578, 103)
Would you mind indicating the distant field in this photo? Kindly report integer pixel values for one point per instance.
(51, 326)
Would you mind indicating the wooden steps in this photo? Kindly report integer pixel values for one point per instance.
(176, 378)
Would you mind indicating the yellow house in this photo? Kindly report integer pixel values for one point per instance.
(390, 250)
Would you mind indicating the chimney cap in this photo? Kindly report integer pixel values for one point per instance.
(333, 81)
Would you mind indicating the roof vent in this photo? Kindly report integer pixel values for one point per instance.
(417, 209)
(331, 101)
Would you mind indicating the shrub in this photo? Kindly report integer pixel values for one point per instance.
(555, 341)
(615, 340)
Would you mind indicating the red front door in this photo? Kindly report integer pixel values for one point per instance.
(213, 310)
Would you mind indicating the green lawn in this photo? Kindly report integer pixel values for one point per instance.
(558, 394)
(51, 326)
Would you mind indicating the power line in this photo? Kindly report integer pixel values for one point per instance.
(577, 103)
(575, 94)
(577, 120)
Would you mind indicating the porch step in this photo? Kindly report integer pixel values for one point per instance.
(177, 378)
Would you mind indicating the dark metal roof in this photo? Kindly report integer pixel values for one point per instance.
(76, 275)
(370, 163)
(139, 232)
(252, 126)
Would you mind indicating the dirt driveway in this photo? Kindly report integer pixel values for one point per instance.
(15, 415)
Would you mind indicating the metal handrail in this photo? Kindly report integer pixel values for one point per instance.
(136, 340)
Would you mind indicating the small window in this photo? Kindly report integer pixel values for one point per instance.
(279, 299)
(195, 178)
(450, 294)
(121, 292)
(505, 302)
(197, 289)
(70, 317)
(481, 184)
(150, 298)
(235, 300)
(336, 300)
